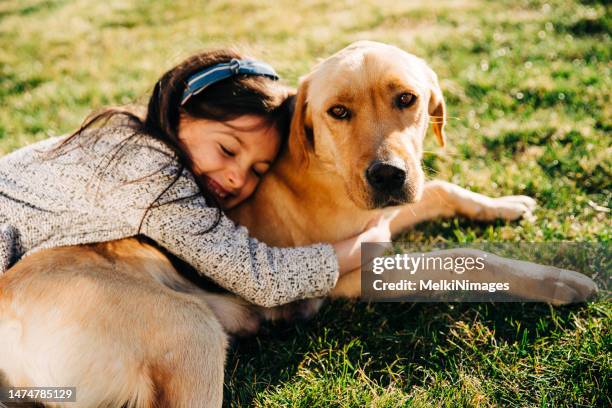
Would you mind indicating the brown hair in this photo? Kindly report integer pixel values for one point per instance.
(223, 101)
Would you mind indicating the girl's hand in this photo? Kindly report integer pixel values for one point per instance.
(379, 228)
(349, 250)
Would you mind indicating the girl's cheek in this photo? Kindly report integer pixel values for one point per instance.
(218, 160)
(213, 163)
(249, 188)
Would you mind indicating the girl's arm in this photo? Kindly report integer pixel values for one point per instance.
(264, 275)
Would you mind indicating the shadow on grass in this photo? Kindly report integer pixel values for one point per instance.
(389, 342)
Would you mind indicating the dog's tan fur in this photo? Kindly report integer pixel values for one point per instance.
(118, 322)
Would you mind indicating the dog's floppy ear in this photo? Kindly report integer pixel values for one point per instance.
(437, 109)
(301, 138)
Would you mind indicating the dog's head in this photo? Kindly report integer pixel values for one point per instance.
(363, 114)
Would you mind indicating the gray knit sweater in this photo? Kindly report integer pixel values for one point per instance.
(99, 188)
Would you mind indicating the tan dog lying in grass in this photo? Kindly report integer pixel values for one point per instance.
(120, 324)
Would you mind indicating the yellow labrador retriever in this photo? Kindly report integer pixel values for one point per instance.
(120, 324)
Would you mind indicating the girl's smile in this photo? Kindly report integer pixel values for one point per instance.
(217, 190)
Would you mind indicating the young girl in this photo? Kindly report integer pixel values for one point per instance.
(214, 125)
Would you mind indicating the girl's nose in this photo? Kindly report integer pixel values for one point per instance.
(235, 178)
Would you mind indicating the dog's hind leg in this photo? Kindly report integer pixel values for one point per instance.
(97, 321)
(190, 375)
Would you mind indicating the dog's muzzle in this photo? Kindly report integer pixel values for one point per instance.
(388, 182)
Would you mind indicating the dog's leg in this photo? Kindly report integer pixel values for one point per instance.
(526, 280)
(443, 199)
(190, 372)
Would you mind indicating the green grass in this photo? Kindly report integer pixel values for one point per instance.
(528, 90)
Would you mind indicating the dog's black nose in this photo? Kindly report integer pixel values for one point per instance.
(385, 177)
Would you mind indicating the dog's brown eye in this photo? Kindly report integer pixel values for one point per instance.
(339, 112)
(405, 100)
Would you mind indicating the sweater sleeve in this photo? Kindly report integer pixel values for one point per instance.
(7, 244)
(264, 275)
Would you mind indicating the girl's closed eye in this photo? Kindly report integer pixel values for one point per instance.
(227, 151)
(261, 170)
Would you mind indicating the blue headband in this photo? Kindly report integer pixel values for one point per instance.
(200, 81)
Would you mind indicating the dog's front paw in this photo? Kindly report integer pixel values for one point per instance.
(542, 283)
(509, 208)
(572, 287)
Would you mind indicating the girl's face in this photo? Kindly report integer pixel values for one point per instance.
(230, 157)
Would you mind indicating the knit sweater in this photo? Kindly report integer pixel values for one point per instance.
(112, 183)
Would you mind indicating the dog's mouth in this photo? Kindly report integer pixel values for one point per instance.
(384, 201)
(405, 196)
